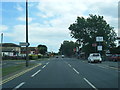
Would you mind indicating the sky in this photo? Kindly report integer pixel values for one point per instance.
(49, 20)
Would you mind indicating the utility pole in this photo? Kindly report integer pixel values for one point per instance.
(27, 58)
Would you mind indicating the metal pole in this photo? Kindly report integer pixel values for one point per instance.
(27, 58)
(1, 60)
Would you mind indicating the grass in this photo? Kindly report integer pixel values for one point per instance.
(18, 67)
(12, 69)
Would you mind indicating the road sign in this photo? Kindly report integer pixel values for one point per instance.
(99, 39)
(99, 48)
(94, 44)
(24, 44)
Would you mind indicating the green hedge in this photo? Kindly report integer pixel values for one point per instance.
(37, 56)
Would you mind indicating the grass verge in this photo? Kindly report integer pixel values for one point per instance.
(12, 69)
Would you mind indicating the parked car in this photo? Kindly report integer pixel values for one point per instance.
(115, 57)
(94, 57)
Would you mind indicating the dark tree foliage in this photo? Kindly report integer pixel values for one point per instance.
(42, 49)
(87, 29)
(67, 48)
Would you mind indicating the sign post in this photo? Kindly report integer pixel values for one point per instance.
(99, 39)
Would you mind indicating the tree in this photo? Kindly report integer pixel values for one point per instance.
(42, 49)
(86, 30)
(67, 48)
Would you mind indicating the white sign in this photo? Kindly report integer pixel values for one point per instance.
(99, 48)
(24, 44)
(99, 39)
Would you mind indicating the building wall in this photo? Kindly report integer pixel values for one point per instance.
(10, 51)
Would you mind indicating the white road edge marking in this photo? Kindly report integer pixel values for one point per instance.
(90, 84)
(69, 65)
(19, 85)
(35, 73)
(44, 66)
(75, 70)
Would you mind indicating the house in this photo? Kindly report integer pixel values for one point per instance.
(10, 49)
(31, 51)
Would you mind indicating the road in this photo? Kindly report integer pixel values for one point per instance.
(66, 73)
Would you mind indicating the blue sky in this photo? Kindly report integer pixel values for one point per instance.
(49, 19)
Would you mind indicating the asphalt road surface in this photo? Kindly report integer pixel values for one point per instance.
(66, 73)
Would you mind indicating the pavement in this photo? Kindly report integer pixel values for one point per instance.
(66, 73)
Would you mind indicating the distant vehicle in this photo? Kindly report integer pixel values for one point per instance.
(63, 56)
(115, 57)
(56, 56)
(94, 57)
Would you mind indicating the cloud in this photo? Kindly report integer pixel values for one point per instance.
(3, 28)
(24, 19)
(55, 16)
(19, 8)
(39, 34)
(73, 8)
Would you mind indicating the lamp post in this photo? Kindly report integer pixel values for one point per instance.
(27, 58)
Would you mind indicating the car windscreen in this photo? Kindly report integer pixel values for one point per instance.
(95, 54)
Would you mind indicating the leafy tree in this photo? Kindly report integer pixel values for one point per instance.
(67, 48)
(42, 49)
(87, 29)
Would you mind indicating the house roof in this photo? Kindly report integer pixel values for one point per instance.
(29, 48)
(8, 50)
(9, 45)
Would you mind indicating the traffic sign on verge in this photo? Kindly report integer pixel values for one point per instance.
(99, 39)
(99, 48)
(24, 44)
(94, 44)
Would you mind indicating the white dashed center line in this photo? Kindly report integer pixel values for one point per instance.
(90, 84)
(44, 66)
(75, 70)
(69, 65)
(47, 63)
(19, 85)
(35, 73)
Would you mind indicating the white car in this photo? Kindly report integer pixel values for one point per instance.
(94, 57)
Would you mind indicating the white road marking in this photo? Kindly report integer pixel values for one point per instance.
(102, 67)
(44, 66)
(19, 85)
(69, 65)
(90, 84)
(47, 63)
(35, 73)
(75, 70)
(91, 64)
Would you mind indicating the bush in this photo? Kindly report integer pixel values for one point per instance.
(33, 57)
